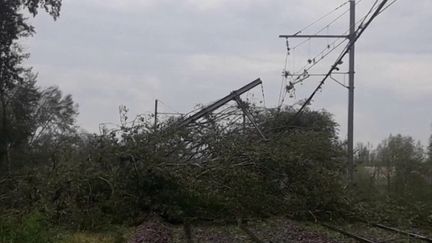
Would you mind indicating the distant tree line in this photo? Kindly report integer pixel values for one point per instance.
(397, 171)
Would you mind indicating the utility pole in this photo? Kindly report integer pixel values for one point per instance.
(233, 96)
(353, 36)
(351, 73)
(156, 115)
(216, 105)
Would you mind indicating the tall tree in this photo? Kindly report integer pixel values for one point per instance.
(18, 92)
(401, 157)
(430, 150)
(55, 114)
(363, 154)
(428, 170)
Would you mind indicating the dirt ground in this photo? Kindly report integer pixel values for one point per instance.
(270, 231)
(275, 230)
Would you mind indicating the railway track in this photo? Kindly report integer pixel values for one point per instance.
(360, 231)
(377, 233)
(284, 230)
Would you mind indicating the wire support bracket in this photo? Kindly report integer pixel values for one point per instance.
(314, 36)
(339, 82)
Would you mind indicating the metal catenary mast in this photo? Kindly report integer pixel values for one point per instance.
(353, 36)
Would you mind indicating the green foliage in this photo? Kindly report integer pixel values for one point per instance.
(199, 173)
(20, 98)
(430, 150)
(33, 227)
(52, 7)
(395, 186)
(212, 172)
(402, 160)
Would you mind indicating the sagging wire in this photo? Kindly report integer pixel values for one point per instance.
(388, 6)
(322, 55)
(289, 86)
(359, 33)
(326, 26)
(368, 13)
(284, 74)
(323, 17)
(312, 62)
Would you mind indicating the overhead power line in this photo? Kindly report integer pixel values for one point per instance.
(354, 34)
(327, 25)
(389, 5)
(319, 57)
(323, 54)
(323, 17)
(360, 32)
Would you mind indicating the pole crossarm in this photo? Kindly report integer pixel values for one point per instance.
(358, 34)
(216, 105)
(353, 36)
(314, 36)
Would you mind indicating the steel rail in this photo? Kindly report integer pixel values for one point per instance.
(395, 230)
(413, 235)
(351, 235)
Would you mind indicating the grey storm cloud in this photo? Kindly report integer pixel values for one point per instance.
(184, 52)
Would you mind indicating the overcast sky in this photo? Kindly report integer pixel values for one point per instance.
(108, 53)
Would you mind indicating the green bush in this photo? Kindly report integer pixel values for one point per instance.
(33, 227)
(205, 173)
